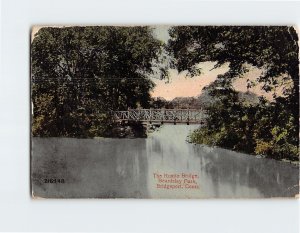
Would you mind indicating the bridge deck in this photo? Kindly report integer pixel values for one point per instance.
(191, 116)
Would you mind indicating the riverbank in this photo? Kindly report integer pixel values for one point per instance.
(204, 136)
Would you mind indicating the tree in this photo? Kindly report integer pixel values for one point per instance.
(273, 49)
(80, 74)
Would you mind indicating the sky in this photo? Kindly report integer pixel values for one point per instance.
(179, 85)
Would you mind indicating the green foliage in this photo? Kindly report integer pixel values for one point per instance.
(81, 74)
(271, 48)
(265, 128)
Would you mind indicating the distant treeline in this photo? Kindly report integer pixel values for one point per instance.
(203, 101)
(178, 102)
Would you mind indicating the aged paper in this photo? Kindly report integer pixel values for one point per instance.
(164, 112)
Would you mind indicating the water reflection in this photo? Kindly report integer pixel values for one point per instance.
(223, 173)
(112, 168)
(104, 168)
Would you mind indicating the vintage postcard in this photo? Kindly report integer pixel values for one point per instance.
(164, 112)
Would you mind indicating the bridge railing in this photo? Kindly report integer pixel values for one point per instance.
(161, 115)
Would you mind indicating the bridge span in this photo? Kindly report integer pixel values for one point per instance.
(160, 116)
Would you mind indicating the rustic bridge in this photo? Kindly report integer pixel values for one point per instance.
(187, 116)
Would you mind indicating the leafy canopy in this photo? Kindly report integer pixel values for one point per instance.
(265, 128)
(272, 48)
(79, 74)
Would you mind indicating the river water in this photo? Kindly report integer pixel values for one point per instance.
(130, 168)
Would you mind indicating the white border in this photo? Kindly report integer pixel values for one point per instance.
(19, 213)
